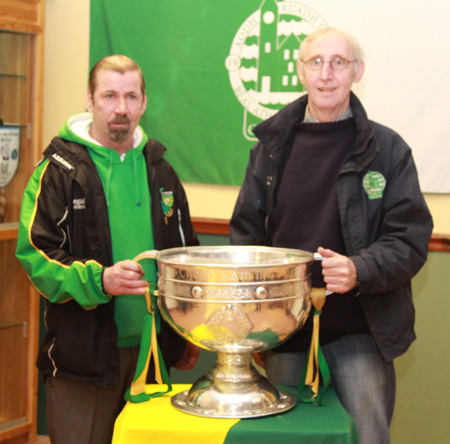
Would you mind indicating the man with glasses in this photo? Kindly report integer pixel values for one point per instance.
(325, 178)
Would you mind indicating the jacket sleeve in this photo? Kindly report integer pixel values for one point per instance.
(248, 222)
(399, 230)
(44, 244)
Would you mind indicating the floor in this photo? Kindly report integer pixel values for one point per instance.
(41, 440)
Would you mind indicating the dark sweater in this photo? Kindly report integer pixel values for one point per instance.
(307, 216)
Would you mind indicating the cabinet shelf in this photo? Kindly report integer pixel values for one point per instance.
(17, 125)
(4, 324)
(4, 75)
(6, 424)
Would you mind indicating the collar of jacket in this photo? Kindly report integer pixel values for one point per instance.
(277, 132)
(68, 154)
(155, 150)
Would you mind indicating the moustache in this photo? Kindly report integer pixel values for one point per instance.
(122, 119)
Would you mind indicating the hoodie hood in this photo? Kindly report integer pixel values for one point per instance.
(77, 128)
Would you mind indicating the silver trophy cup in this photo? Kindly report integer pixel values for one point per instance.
(234, 301)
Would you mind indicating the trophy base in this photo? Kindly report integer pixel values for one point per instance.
(230, 391)
(181, 402)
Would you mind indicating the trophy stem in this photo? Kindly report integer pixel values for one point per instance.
(233, 368)
(233, 388)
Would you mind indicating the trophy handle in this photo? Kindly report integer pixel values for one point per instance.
(149, 254)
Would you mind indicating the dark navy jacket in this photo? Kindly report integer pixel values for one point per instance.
(386, 236)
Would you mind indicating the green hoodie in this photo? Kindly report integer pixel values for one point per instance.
(125, 183)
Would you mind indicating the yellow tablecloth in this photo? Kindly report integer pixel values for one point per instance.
(158, 422)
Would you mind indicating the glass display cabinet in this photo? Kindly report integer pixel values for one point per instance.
(21, 74)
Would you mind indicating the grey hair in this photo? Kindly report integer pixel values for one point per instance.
(357, 49)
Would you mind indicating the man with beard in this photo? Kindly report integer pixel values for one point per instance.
(102, 194)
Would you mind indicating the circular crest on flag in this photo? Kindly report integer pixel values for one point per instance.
(263, 58)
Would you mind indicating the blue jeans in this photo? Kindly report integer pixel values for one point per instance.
(362, 379)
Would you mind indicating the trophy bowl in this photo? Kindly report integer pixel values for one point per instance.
(235, 301)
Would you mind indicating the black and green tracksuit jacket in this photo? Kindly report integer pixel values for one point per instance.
(64, 244)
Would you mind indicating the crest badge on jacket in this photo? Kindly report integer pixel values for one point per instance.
(167, 203)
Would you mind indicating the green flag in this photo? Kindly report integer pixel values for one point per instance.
(214, 69)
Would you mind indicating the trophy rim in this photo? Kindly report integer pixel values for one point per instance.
(170, 256)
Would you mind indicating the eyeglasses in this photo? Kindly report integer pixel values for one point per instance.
(337, 63)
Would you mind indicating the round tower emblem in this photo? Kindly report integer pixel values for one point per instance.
(263, 58)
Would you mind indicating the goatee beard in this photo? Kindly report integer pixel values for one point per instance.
(121, 134)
